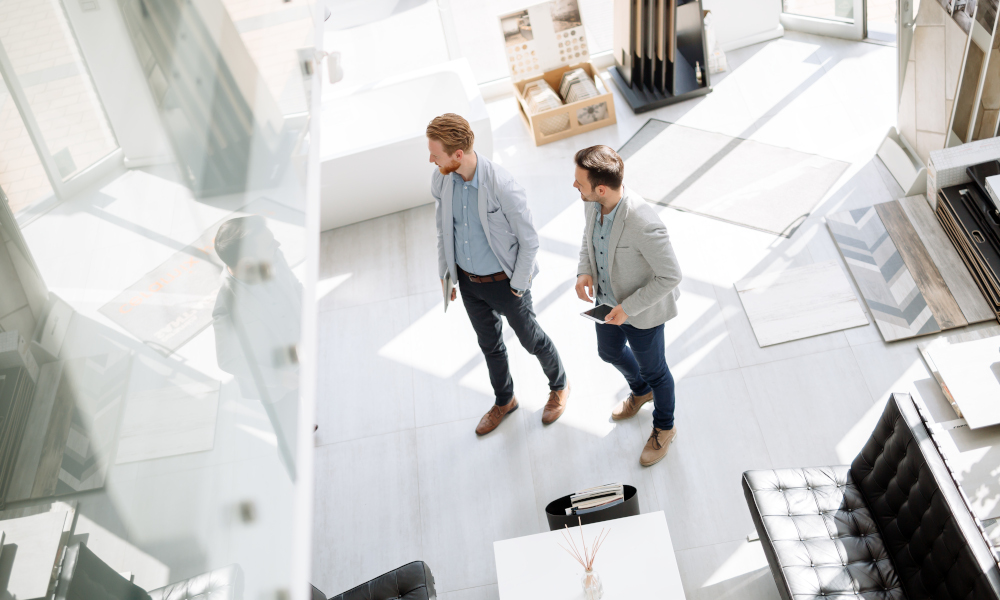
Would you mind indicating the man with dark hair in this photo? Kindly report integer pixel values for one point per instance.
(627, 251)
(257, 320)
(487, 242)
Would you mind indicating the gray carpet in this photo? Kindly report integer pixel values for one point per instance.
(741, 181)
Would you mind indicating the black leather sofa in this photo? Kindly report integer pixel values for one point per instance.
(413, 581)
(891, 526)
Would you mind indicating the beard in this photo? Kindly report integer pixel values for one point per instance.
(590, 198)
(450, 168)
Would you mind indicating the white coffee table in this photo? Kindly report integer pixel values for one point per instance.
(636, 562)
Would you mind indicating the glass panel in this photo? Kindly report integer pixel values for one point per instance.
(48, 66)
(834, 10)
(22, 175)
(151, 364)
(881, 19)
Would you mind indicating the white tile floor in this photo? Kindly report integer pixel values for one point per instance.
(401, 475)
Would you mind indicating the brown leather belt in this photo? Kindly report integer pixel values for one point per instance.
(501, 276)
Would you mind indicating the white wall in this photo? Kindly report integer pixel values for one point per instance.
(740, 23)
(114, 67)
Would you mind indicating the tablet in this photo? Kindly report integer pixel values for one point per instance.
(598, 313)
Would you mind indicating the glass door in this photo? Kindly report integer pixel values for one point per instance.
(48, 89)
(834, 18)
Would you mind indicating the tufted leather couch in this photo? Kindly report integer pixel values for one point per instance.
(891, 526)
(409, 582)
(221, 584)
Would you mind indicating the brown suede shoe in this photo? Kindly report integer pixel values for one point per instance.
(492, 419)
(656, 446)
(556, 405)
(629, 407)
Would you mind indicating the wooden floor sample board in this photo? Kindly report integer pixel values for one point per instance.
(971, 372)
(893, 297)
(949, 264)
(799, 303)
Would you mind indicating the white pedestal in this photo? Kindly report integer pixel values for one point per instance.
(635, 561)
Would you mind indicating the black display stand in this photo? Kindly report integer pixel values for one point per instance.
(555, 512)
(659, 54)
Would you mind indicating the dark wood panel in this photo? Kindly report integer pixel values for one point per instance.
(922, 268)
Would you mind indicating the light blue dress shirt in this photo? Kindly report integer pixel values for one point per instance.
(601, 238)
(472, 249)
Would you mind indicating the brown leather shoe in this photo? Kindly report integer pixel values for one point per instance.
(556, 405)
(656, 446)
(629, 407)
(492, 419)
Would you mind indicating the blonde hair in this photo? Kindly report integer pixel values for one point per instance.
(452, 131)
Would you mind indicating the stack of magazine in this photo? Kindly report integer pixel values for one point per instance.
(596, 498)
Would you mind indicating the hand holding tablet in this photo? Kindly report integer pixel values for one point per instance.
(598, 314)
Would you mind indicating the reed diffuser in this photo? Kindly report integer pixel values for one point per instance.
(592, 587)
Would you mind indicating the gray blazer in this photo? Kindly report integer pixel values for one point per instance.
(503, 210)
(643, 269)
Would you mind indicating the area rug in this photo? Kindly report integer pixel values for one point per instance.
(740, 181)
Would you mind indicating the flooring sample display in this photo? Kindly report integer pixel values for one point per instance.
(971, 372)
(800, 303)
(954, 338)
(897, 304)
(174, 301)
(178, 419)
(949, 264)
(741, 181)
(918, 262)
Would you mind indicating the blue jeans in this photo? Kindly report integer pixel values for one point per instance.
(643, 362)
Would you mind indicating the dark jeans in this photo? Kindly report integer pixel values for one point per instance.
(643, 363)
(485, 302)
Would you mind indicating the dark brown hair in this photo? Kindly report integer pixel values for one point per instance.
(603, 166)
(453, 131)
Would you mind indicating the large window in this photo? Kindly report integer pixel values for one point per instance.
(49, 100)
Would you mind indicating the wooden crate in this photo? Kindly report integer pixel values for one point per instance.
(534, 122)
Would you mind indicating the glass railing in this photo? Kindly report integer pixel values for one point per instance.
(155, 384)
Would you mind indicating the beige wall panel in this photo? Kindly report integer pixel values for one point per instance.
(930, 79)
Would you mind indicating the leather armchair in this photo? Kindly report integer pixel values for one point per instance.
(221, 584)
(409, 582)
(892, 525)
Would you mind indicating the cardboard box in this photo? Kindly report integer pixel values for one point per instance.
(547, 126)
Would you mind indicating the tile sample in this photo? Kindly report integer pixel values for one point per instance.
(967, 335)
(970, 372)
(949, 264)
(923, 270)
(801, 302)
(741, 181)
(892, 296)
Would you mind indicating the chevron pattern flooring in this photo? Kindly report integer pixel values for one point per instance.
(896, 303)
